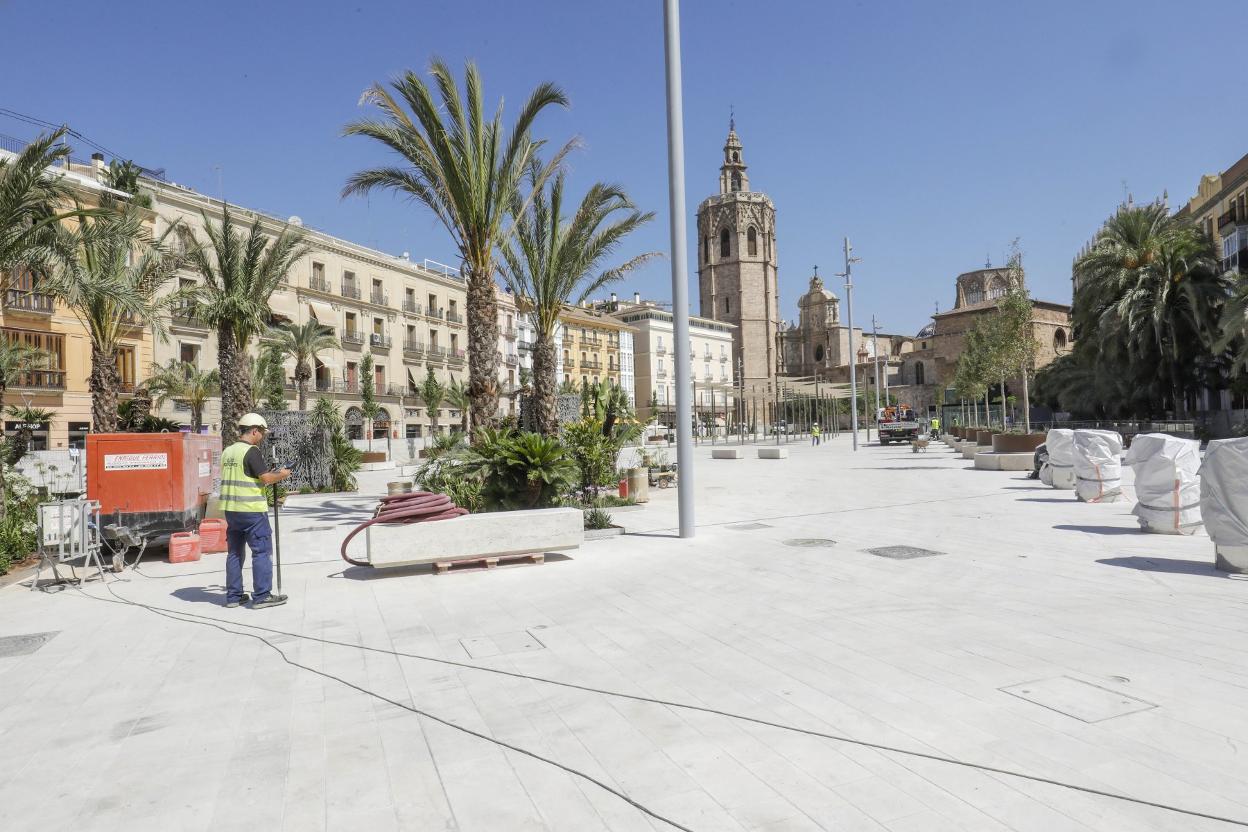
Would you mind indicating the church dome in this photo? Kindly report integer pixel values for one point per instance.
(816, 293)
(927, 331)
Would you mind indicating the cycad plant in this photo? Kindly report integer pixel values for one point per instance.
(304, 343)
(345, 458)
(519, 470)
(240, 273)
(555, 260)
(184, 382)
(113, 278)
(467, 171)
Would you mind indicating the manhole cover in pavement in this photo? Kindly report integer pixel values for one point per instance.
(809, 542)
(483, 647)
(749, 527)
(1075, 698)
(902, 552)
(25, 644)
(312, 529)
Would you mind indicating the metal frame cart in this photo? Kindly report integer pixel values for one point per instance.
(68, 530)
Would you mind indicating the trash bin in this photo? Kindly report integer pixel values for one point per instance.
(1167, 482)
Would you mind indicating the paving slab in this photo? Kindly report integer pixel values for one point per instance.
(187, 718)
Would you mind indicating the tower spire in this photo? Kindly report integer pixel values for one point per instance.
(732, 176)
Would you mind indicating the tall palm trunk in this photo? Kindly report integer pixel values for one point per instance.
(302, 373)
(103, 384)
(197, 418)
(235, 384)
(482, 349)
(545, 386)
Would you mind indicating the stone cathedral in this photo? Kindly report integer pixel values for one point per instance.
(737, 267)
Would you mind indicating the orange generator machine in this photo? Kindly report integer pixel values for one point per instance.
(153, 484)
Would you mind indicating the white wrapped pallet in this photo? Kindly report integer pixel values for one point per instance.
(1167, 482)
(1060, 468)
(1224, 501)
(1098, 468)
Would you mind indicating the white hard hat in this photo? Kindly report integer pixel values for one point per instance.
(253, 420)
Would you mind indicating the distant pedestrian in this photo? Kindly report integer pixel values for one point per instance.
(814, 435)
(243, 478)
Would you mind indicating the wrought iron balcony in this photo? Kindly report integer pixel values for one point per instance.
(379, 341)
(509, 332)
(187, 315)
(350, 291)
(411, 307)
(413, 348)
(434, 313)
(352, 339)
(380, 298)
(319, 284)
(660, 350)
(591, 364)
(455, 317)
(41, 380)
(457, 355)
(512, 359)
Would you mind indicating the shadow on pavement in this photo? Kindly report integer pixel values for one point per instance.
(1099, 529)
(1070, 500)
(201, 595)
(1184, 567)
(369, 573)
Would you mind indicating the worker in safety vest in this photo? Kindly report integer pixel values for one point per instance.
(243, 478)
(935, 426)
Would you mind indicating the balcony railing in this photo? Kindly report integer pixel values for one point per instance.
(380, 298)
(187, 315)
(319, 284)
(379, 341)
(413, 348)
(352, 339)
(457, 354)
(393, 391)
(129, 319)
(661, 374)
(455, 317)
(660, 350)
(591, 364)
(723, 358)
(1226, 219)
(569, 363)
(41, 380)
(592, 341)
(525, 345)
(22, 300)
(512, 359)
(411, 307)
(350, 291)
(509, 332)
(434, 313)
(613, 344)
(436, 351)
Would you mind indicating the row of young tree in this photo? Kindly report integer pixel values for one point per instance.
(1156, 321)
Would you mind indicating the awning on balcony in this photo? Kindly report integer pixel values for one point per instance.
(322, 312)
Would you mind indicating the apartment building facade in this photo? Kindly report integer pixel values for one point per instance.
(1220, 207)
(409, 316)
(654, 347)
(59, 383)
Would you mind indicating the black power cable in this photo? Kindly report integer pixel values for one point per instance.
(1034, 778)
(178, 616)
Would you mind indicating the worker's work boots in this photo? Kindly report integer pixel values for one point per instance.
(272, 601)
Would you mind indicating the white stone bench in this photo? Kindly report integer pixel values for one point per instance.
(992, 461)
(727, 453)
(773, 453)
(490, 535)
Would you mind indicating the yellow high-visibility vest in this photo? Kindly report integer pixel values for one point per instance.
(240, 492)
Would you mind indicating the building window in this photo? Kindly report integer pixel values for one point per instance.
(725, 245)
(727, 306)
(1059, 340)
(706, 249)
(819, 353)
(918, 374)
(751, 241)
(736, 181)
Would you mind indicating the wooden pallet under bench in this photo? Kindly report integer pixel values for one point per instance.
(441, 567)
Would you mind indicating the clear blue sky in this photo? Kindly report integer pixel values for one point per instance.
(930, 133)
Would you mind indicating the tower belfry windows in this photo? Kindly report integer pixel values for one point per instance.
(725, 243)
(751, 242)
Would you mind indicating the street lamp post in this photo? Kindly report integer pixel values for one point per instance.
(680, 274)
(848, 274)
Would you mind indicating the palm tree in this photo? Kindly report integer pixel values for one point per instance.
(240, 275)
(303, 342)
(29, 196)
(184, 382)
(112, 279)
(16, 359)
(457, 397)
(1233, 328)
(1149, 295)
(467, 171)
(27, 417)
(554, 261)
(432, 392)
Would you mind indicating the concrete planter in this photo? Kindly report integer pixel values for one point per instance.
(1004, 461)
(1016, 443)
(984, 437)
(603, 534)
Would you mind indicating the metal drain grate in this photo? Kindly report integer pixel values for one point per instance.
(25, 644)
(748, 527)
(810, 542)
(312, 529)
(902, 552)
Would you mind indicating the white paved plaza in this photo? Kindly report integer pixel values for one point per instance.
(1049, 638)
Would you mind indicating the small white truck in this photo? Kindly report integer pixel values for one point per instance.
(897, 424)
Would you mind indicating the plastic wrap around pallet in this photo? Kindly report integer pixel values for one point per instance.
(1167, 482)
(1224, 501)
(1098, 467)
(1059, 471)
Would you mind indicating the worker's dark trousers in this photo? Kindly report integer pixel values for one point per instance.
(248, 528)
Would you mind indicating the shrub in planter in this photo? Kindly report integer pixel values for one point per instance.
(597, 518)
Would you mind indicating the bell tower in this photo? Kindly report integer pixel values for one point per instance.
(737, 280)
